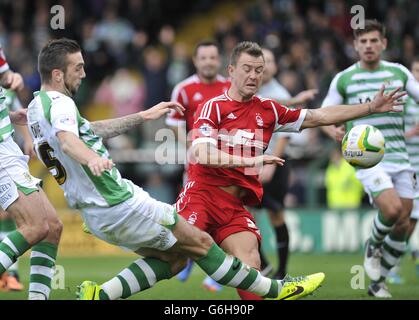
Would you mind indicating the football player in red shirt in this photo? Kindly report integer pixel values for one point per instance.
(230, 134)
(205, 84)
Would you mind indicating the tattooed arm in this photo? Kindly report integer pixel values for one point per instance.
(114, 127)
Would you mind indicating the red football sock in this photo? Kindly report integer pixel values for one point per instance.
(246, 295)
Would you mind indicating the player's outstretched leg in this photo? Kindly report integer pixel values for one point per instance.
(225, 269)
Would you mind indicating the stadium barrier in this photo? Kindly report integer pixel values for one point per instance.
(311, 231)
(324, 231)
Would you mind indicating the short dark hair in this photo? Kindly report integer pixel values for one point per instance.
(205, 43)
(54, 56)
(415, 59)
(251, 48)
(370, 25)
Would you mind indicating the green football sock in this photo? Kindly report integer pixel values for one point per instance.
(13, 246)
(139, 276)
(230, 271)
(43, 258)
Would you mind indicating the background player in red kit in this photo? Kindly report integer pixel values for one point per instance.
(205, 84)
(236, 124)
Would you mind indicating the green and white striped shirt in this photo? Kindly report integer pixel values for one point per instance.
(51, 112)
(411, 118)
(6, 127)
(355, 85)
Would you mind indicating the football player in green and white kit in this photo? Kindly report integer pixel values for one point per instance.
(390, 184)
(9, 281)
(38, 226)
(412, 143)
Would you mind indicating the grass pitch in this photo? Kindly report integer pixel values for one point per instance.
(337, 285)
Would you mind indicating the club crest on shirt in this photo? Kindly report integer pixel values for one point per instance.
(205, 129)
(259, 120)
(27, 176)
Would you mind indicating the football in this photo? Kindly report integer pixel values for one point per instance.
(363, 146)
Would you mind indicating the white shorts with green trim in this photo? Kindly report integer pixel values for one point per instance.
(375, 180)
(139, 222)
(14, 174)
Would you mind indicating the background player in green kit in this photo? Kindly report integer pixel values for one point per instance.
(10, 279)
(390, 184)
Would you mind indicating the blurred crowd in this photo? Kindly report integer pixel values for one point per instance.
(134, 59)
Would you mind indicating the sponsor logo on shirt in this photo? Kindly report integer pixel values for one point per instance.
(242, 138)
(5, 193)
(231, 116)
(197, 96)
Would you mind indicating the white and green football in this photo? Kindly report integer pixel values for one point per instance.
(363, 146)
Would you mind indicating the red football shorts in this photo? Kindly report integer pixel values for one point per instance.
(215, 211)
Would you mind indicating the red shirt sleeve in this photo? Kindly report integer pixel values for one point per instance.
(287, 120)
(206, 123)
(3, 63)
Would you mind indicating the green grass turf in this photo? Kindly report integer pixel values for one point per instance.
(337, 284)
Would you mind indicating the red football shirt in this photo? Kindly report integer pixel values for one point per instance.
(190, 93)
(3, 63)
(240, 128)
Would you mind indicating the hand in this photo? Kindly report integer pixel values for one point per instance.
(161, 109)
(412, 132)
(267, 173)
(339, 133)
(305, 96)
(387, 102)
(19, 117)
(28, 149)
(98, 165)
(267, 159)
(13, 81)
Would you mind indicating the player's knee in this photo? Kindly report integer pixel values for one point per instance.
(248, 254)
(37, 231)
(402, 226)
(277, 219)
(394, 210)
(55, 228)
